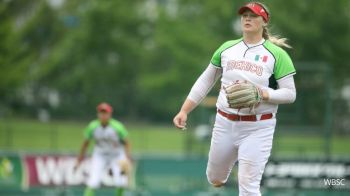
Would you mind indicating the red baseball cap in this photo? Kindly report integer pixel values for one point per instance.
(105, 107)
(257, 9)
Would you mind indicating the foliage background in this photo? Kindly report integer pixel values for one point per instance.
(66, 56)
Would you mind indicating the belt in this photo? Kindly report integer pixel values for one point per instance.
(235, 117)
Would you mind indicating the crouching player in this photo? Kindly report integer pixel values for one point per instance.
(111, 151)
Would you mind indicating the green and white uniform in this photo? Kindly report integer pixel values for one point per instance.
(261, 64)
(249, 142)
(108, 151)
(108, 140)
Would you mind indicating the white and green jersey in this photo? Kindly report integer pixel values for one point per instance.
(261, 64)
(108, 139)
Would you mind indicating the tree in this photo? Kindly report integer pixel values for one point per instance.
(144, 56)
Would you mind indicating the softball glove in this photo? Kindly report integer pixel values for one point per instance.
(243, 95)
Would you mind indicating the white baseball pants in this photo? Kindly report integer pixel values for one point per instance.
(99, 164)
(247, 142)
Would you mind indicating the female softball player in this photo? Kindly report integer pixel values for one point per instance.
(111, 150)
(256, 76)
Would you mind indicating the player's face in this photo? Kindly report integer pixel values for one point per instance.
(104, 116)
(251, 23)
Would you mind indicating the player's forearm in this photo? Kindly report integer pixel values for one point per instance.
(188, 106)
(203, 85)
(286, 93)
(281, 96)
(83, 150)
(127, 148)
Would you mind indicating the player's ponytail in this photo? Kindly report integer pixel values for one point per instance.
(276, 39)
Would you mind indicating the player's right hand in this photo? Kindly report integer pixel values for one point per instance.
(77, 164)
(180, 120)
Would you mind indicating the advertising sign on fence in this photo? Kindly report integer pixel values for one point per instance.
(11, 172)
(307, 175)
(58, 171)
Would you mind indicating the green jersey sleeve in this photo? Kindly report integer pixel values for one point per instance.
(216, 58)
(89, 130)
(284, 66)
(119, 127)
(283, 63)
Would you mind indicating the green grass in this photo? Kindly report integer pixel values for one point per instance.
(67, 136)
(304, 145)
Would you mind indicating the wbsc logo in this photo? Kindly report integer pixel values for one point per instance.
(334, 182)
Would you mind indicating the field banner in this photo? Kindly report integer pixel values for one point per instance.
(307, 175)
(58, 171)
(11, 174)
(26, 171)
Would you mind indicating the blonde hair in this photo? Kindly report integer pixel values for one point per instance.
(275, 39)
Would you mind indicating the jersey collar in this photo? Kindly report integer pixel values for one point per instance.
(254, 45)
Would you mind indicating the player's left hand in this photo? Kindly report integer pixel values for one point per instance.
(243, 95)
(125, 165)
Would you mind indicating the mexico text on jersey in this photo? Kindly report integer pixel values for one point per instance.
(261, 64)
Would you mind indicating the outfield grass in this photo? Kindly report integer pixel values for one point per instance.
(305, 146)
(67, 136)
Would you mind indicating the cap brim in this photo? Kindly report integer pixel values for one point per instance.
(104, 110)
(245, 8)
(255, 11)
